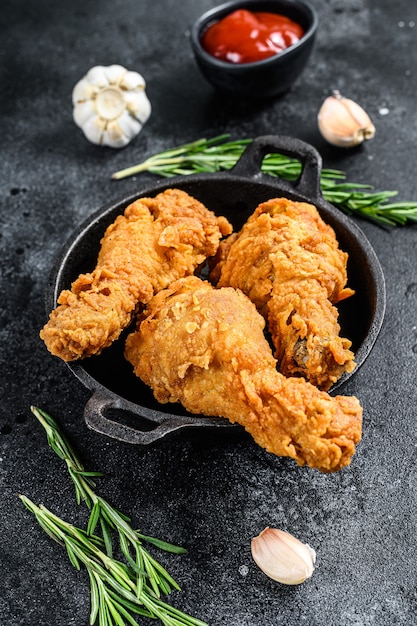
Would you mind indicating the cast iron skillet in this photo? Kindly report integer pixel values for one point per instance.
(121, 406)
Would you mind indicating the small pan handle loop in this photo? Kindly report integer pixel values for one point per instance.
(158, 425)
(95, 418)
(308, 183)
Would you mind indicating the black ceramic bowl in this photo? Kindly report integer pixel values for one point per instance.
(262, 79)
(123, 407)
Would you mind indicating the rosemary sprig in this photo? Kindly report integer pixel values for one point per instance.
(113, 585)
(217, 154)
(146, 575)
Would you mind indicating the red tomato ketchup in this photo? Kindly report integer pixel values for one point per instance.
(245, 36)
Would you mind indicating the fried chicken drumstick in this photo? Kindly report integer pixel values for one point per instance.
(155, 242)
(205, 348)
(288, 262)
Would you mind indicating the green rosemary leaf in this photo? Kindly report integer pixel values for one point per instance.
(177, 616)
(106, 518)
(153, 577)
(94, 518)
(71, 555)
(133, 607)
(114, 612)
(126, 518)
(107, 537)
(94, 597)
(401, 210)
(117, 520)
(345, 186)
(55, 448)
(51, 532)
(125, 549)
(81, 492)
(90, 542)
(103, 613)
(106, 577)
(164, 587)
(54, 435)
(126, 615)
(159, 570)
(122, 573)
(44, 523)
(139, 564)
(88, 474)
(163, 545)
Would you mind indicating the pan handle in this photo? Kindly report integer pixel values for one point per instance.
(96, 419)
(146, 430)
(308, 183)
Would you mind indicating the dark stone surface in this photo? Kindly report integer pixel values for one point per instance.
(211, 495)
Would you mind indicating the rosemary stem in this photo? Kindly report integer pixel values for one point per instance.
(212, 155)
(139, 582)
(82, 549)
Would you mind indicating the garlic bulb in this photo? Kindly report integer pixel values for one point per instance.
(110, 105)
(282, 557)
(342, 122)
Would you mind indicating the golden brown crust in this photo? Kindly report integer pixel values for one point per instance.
(288, 262)
(156, 240)
(206, 348)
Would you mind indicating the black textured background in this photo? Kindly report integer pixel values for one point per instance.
(211, 495)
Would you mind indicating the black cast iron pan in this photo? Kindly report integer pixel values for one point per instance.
(121, 406)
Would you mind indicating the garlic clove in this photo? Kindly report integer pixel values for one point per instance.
(114, 73)
(282, 557)
(97, 76)
(138, 105)
(344, 123)
(132, 81)
(83, 112)
(128, 125)
(114, 135)
(94, 129)
(83, 90)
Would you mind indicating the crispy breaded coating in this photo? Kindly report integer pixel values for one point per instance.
(288, 262)
(205, 347)
(156, 241)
